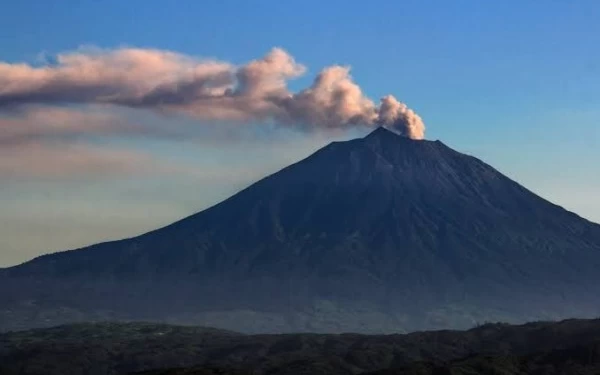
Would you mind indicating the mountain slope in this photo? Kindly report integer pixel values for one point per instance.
(372, 234)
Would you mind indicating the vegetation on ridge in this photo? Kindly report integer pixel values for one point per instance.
(111, 348)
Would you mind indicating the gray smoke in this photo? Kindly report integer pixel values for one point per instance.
(206, 89)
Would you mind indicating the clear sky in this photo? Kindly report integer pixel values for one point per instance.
(516, 83)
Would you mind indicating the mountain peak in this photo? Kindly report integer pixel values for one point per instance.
(387, 142)
(382, 132)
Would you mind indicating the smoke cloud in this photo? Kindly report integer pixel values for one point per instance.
(205, 89)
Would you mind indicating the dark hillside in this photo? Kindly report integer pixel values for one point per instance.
(110, 348)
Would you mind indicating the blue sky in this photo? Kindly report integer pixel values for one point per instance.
(516, 83)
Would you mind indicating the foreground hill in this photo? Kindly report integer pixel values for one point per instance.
(109, 348)
(576, 360)
(379, 234)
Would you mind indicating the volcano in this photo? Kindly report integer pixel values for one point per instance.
(377, 234)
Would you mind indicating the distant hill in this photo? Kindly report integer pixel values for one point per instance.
(378, 234)
(567, 347)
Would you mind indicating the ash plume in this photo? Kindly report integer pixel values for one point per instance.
(205, 89)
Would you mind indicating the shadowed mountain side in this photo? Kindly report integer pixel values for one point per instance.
(377, 234)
